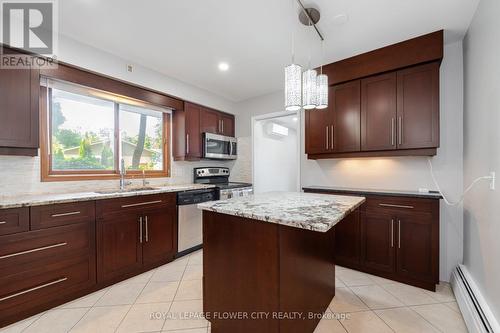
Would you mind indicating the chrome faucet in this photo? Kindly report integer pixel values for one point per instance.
(123, 173)
(144, 182)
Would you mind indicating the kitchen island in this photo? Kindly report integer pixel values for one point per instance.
(269, 260)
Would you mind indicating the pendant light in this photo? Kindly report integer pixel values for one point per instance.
(306, 90)
(293, 93)
(322, 87)
(293, 81)
(309, 89)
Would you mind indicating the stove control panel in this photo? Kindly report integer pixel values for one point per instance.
(210, 172)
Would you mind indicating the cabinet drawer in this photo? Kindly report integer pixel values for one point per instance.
(41, 247)
(119, 205)
(62, 214)
(399, 204)
(30, 288)
(14, 220)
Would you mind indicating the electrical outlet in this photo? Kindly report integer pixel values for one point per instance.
(492, 181)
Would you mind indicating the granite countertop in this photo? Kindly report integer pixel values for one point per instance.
(316, 212)
(398, 193)
(16, 201)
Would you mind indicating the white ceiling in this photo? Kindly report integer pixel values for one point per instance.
(186, 39)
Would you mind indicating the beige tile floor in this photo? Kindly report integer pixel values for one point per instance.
(363, 303)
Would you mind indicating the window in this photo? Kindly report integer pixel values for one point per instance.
(89, 132)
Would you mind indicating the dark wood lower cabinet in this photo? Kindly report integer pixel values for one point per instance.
(347, 240)
(119, 251)
(395, 237)
(377, 241)
(134, 234)
(50, 255)
(159, 243)
(417, 245)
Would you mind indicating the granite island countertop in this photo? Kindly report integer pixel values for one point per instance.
(27, 200)
(316, 212)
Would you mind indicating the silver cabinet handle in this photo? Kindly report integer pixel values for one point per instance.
(33, 289)
(140, 229)
(38, 249)
(396, 206)
(66, 214)
(3, 222)
(142, 204)
(326, 137)
(332, 140)
(399, 234)
(392, 233)
(400, 127)
(392, 131)
(222, 123)
(147, 229)
(187, 144)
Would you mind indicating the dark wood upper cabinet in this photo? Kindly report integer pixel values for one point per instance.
(346, 99)
(378, 112)
(210, 122)
(190, 124)
(19, 93)
(418, 107)
(227, 124)
(193, 137)
(398, 103)
(216, 122)
(318, 131)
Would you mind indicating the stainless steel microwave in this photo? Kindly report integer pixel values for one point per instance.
(219, 147)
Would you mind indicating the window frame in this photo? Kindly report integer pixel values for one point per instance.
(49, 175)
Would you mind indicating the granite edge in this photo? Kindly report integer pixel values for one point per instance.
(373, 192)
(313, 227)
(91, 196)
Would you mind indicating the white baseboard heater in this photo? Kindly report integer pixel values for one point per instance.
(476, 312)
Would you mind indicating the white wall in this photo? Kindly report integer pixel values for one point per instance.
(276, 159)
(482, 150)
(403, 173)
(19, 175)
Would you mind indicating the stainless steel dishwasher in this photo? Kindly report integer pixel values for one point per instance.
(190, 236)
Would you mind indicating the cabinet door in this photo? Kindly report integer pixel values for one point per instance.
(418, 107)
(417, 253)
(318, 131)
(159, 234)
(227, 124)
(348, 240)
(19, 93)
(209, 121)
(346, 99)
(378, 112)
(193, 134)
(119, 247)
(378, 243)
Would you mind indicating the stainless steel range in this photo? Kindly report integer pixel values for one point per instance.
(220, 178)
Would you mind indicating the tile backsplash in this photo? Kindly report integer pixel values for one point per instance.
(21, 175)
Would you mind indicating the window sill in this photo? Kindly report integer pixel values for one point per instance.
(90, 177)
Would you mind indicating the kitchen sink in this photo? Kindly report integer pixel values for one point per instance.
(127, 190)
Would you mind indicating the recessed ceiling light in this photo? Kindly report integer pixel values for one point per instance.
(295, 118)
(340, 19)
(223, 66)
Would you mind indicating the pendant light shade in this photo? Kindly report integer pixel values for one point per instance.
(309, 89)
(293, 92)
(322, 91)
